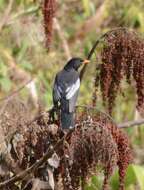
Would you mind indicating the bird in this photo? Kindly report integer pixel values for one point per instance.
(66, 89)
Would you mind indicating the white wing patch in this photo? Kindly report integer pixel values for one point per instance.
(70, 91)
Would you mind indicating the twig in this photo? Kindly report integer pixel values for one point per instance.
(22, 13)
(6, 14)
(6, 98)
(97, 110)
(26, 12)
(36, 118)
(131, 123)
(51, 150)
(62, 37)
(95, 46)
(18, 74)
(31, 169)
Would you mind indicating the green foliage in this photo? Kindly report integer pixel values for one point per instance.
(134, 17)
(129, 14)
(95, 183)
(134, 178)
(139, 174)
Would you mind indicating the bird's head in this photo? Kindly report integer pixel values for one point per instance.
(75, 63)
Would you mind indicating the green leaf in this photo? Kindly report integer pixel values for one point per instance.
(22, 52)
(135, 174)
(115, 181)
(130, 176)
(139, 173)
(96, 182)
(89, 188)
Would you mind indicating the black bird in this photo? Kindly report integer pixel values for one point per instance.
(66, 89)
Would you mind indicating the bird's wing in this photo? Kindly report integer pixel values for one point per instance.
(71, 90)
(56, 92)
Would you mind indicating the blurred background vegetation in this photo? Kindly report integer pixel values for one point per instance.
(78, 23)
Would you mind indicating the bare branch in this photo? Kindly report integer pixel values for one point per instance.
(131, 123)
(15, 92)
(93, 49)
(20, 14)
(31, 169)
(18, 74)
(28, 11)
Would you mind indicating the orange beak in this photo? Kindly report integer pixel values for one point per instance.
(86, 61)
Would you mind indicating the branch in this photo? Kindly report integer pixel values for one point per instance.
(131, 123)
(6, 14)
(31, 169)
(16, 16)
(6, 98)
(93, 49)
(18, 74)
(28, 11)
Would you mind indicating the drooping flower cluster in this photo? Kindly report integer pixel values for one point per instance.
(122, 57)
(49, 8)
(96, 140)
